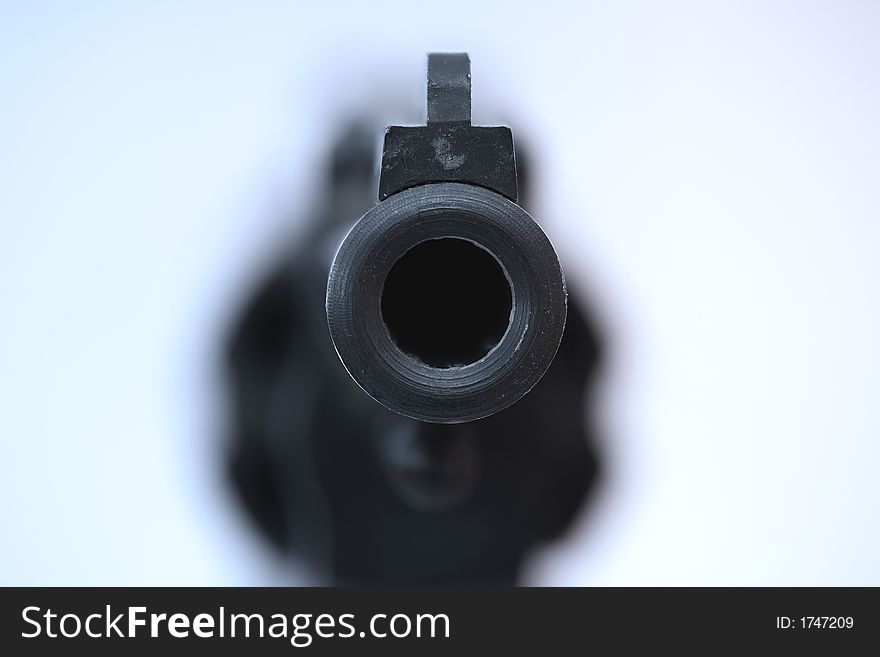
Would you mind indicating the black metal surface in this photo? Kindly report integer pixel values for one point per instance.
(448, 148)
(412, 381)
(448, 153)
(449, 88)
(403, 382)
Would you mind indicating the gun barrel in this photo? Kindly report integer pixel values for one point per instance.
(446, 302)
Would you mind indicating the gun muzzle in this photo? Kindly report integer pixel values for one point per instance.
(446, 301)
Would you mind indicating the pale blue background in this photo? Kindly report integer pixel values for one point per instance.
(710, 173)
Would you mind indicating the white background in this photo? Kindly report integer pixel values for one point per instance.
(710, 174)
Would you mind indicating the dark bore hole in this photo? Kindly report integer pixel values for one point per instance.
(446, 302)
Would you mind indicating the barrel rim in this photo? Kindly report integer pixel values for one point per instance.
(401, 382)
